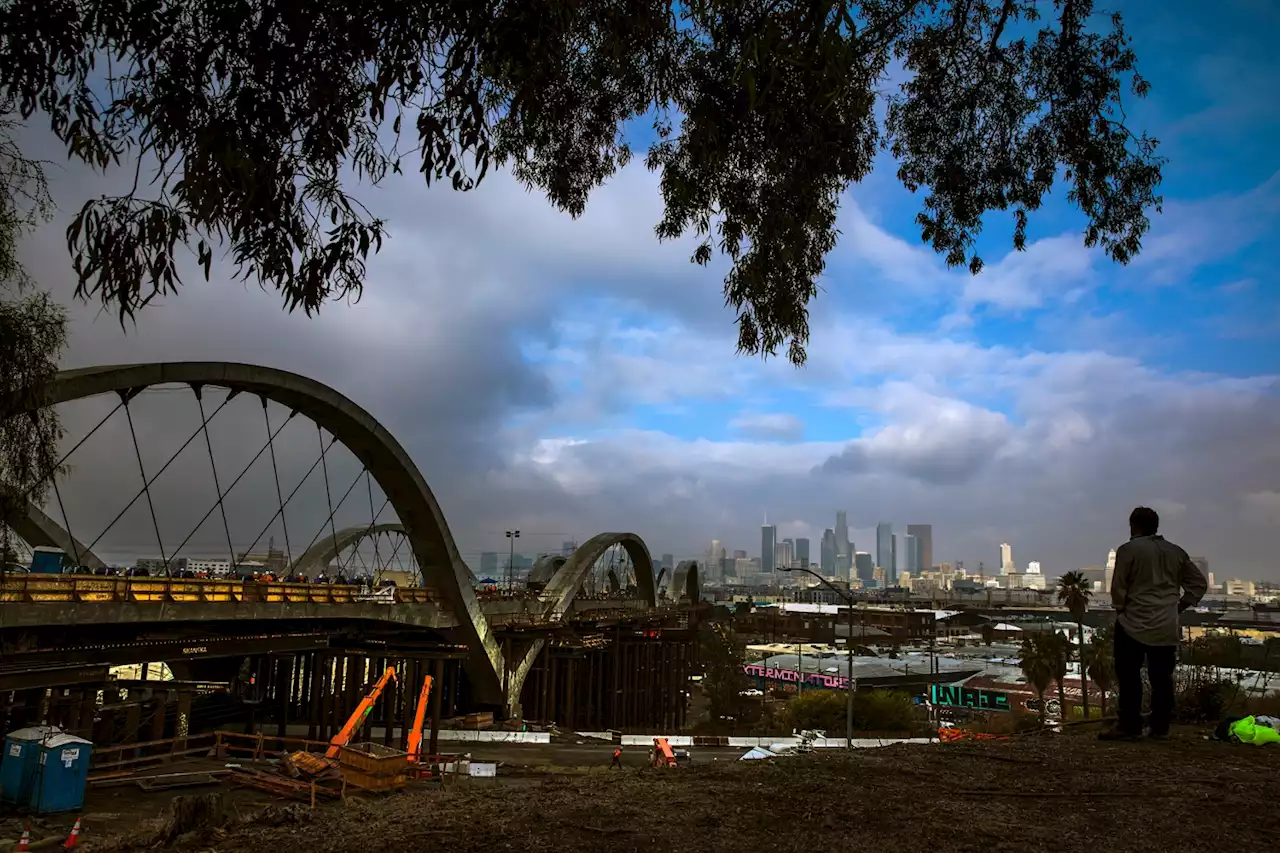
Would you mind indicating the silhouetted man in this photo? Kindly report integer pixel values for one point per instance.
(1154, 581)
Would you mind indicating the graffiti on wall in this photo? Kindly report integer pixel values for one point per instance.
(791, 676)
(955, 696)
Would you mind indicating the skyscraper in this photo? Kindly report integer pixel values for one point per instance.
(827, 553)
(1006, 558)
(924, 536)
(786, 554)
(891, 570)
(768, 542)
(802, 553)
(884, 545)
(566, 548)
(842, 533)
(911, 554)
(715, 560)
(864, 565)
(489, 564)
(668, 562)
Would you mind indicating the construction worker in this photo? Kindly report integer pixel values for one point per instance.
(617, 758)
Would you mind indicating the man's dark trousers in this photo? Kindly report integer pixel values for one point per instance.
(1161, 661)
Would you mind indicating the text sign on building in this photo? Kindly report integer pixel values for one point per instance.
(954, 696)
(817, 679)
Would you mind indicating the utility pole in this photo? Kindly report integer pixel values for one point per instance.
(852, 682)
(512, 536)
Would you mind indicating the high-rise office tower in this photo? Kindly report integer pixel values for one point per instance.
(489, 564)
(891, 570)
(884, 545)
(924, 536)
(768, 544)
(668, 562)
(1006, 558)
(715, 561)
(864, 565)
(842, 533)
(802, 553)
(827, 554)
(844, 567)
(786, 554)
(911, 554)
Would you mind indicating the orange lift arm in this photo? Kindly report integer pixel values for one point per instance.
(662, 754)
(362, 710)
(419, 718)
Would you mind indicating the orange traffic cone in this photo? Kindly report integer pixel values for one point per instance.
(24, 843)
(73, 838)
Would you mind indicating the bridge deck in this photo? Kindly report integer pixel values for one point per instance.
(33, 600)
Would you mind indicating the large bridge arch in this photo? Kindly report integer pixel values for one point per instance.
(406, 489)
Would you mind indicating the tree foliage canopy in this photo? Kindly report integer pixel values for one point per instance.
(251, 110)
(33, 332)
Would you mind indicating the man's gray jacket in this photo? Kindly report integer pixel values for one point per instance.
(1152, 578)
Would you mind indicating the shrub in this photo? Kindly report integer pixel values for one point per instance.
(881, 711)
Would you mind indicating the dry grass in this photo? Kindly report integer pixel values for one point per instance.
(1018, 796)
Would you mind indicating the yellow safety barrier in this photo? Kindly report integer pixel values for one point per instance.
(93, 588)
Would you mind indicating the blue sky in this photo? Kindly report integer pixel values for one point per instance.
(568, 377)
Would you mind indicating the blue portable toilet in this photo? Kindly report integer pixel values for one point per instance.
(62, 774)
(19, 762)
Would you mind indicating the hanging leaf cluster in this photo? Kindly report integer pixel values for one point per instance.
(245, 121)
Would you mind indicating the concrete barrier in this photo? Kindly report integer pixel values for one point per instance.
(596, 735)
(494, 737)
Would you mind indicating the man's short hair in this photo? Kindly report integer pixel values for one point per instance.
(1145, 521)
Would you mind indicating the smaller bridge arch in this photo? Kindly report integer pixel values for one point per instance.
(319, 555)
(544, 570)
(686, 583)
(39, 530)
(564, 584)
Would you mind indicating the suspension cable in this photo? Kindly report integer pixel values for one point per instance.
(66, 525)
(234, 482)
(156, 476)
(52, 472)
(373, 517)
(208, 443)
(305, 477)
(284, 522)
(329, 495)
(146, 485)
(332, 511)
(372, 523)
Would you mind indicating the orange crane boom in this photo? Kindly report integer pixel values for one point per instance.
(362, 710)
(419, 718)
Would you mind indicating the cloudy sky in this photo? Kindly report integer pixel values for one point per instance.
(568, 377)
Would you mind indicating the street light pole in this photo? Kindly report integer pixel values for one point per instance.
(512, 536)
(852, 682)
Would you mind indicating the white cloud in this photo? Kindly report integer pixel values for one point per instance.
(779, 426)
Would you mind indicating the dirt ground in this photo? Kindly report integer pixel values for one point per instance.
(1017, 796)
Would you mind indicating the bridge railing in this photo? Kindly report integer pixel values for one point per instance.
(37, 588)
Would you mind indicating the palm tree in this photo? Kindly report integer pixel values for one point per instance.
(1036, 666)
(1074, 591)
(1102, 664)
(1056, 650)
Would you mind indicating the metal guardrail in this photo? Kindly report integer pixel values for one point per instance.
(35, 588)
